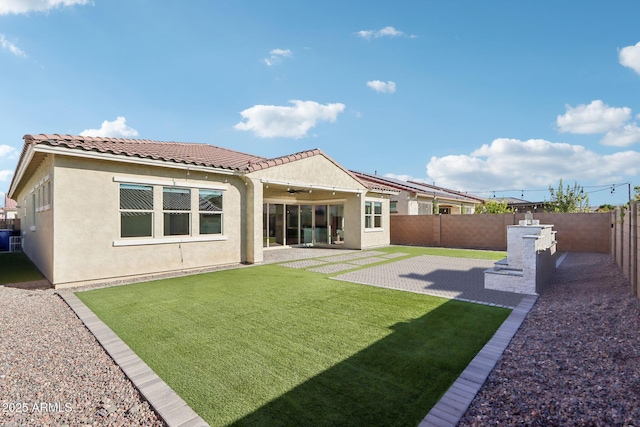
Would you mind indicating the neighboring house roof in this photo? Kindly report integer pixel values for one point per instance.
(373, 184)
(509, 200)
(185, 153)
(10, 204)
(418, 188)
(514, 201)
(426, 186)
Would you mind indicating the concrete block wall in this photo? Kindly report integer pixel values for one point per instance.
(576, 232)
(477, 231)
(415, 230)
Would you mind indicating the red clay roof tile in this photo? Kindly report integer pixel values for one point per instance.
(178, 152)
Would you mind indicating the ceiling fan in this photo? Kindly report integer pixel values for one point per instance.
(294, 191)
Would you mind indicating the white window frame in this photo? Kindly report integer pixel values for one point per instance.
(158, 224)
(371, 217)
(151, 211)
(188, 212)
(201, 212)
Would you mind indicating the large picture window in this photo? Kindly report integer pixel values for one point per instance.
(210, 202)
(372, 214)
(156, 212)
(176, 210)
(136, 210)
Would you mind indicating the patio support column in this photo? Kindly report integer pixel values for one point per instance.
(254, 221)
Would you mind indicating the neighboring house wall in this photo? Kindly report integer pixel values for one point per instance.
(576, 232)
(419, 205)
(87, 222)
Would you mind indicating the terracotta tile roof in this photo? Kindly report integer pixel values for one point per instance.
(10, 203)
(178, 152)
(267, 163)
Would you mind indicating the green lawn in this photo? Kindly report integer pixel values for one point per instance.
(15, 267)
(455, 253)
(271, 346)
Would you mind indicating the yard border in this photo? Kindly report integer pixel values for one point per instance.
(455, 402)
(163, 400)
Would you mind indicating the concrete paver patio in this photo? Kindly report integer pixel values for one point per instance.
(456, 278)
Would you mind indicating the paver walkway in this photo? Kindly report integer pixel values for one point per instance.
(273, 256)
(456, 278)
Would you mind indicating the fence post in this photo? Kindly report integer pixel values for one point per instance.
(612, 240)
(633, 247)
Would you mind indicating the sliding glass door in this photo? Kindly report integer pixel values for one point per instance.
(273, 225)
(302, 224)
(293, 231)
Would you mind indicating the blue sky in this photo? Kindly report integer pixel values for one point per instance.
(475, 96)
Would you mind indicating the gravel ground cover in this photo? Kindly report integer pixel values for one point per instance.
(54, 373)
(576, 358)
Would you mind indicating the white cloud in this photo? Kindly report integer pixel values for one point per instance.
(25, 6)
(115, 129)
(271, 121)
(623, 137)
(7, 45)
(276, 56)
(384, 32)
(6, 175)
(596, 117)
(535, 163)
(382, 87)
(7, 152)
(630, 57)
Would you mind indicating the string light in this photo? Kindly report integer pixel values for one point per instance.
(588, 189)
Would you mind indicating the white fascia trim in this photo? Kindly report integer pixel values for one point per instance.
(122, 159)
(162, 241)
(297, 202)
(20, 172)
(390, 192)
(170, 183)
(313, 186)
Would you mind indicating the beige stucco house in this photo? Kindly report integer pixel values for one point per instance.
(95, 209)
(418, 198)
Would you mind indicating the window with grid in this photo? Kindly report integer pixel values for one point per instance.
(372, 214)
(136, 210)
(176, 210)
(210, 207)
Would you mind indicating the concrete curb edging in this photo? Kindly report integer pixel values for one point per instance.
(455, 402)
(163, 400)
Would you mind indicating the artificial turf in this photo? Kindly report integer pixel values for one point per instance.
(15, 267)
(450, 252)
(270, 345)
